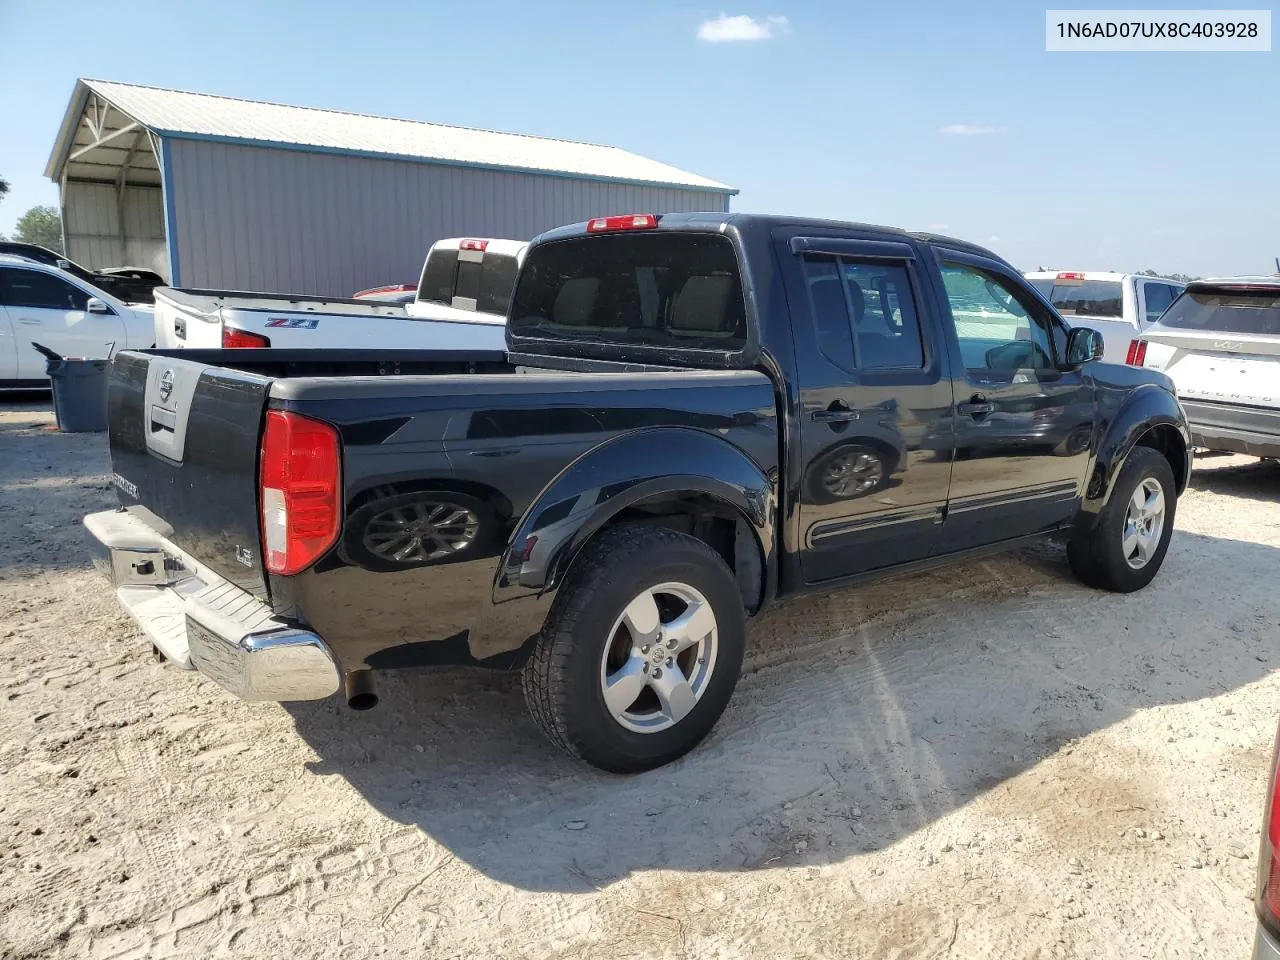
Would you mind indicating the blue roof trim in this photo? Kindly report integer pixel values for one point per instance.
(379, 155)
(170, 212)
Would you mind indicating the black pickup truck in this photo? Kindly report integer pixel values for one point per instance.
(696, 416)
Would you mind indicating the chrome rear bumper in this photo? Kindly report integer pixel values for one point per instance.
(201, 621)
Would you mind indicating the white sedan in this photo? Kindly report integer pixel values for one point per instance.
(45, 305)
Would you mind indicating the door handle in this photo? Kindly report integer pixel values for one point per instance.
(29, 320)
(838, 412)
(977, 406)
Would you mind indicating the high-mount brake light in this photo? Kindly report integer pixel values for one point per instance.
(233, 339)
(631, 221)
(480, 245)
(1071, 275)
(300, 490)
(1137, 355)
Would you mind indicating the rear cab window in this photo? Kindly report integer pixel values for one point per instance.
(666, 290)
(1227, 309)
(1083, 298)
(466, 282)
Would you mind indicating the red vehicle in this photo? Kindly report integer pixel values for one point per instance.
(1267, 944)
(392, 293)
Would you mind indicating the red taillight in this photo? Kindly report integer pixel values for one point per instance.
(632, 221)
(1137, 355)
(300, 481)
(480, 245)
(1269, 865)
(1071, 275)
(233, 339)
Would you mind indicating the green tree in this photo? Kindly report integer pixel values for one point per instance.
(4, 187)
(41, 225)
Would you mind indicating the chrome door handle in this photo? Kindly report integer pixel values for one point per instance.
(836, 413)
(977, 406)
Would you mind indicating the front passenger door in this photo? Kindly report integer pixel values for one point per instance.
(45, 308)
(1023, 424)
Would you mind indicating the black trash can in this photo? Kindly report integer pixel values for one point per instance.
(79, 392)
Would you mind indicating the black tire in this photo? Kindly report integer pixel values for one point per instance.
(361, 554)
(1096, 555)
(561, 678)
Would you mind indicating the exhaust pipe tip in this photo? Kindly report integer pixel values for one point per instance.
(358, 688)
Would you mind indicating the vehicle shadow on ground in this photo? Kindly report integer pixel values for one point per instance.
(48, 482)
(861, 717)
(1252, 479)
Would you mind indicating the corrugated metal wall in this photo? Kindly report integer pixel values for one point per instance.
(92, 226)
(255, 218)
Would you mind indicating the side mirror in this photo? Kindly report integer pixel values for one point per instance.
(97, 306)
(1083, 344)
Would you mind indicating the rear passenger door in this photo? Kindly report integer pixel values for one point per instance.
(874, 405)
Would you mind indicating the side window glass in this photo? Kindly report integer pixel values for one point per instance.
(884, 316)
(829, 310)
(1158, 297)
(27, 288)
(996, 331)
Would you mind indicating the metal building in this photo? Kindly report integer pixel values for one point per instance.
(232, 194)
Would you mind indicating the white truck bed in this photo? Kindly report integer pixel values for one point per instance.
(202, 318)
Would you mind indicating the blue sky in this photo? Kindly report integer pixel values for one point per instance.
(950, 116)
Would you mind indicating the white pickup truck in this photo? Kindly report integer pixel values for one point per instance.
(461, 304)
(1118, 305)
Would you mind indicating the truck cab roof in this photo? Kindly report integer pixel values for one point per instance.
(717, 221)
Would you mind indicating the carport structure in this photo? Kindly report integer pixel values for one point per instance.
(231, 194)
(107, 165)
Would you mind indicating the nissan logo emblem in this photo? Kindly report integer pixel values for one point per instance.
(166, 385)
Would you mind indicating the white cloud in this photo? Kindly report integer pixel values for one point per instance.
(727, 29)
(969, 130)
(994, 238)
(937, 227)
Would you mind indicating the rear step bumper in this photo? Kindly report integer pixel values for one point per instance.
(201, 621)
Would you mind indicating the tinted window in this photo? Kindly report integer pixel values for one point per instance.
(489, 283)
(1158, 296)
(1085, 298)
(653, 289)
(864, 314)
(997, 331)
(28, 288)
(1226, 312)
(438, 276)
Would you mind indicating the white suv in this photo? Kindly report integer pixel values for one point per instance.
(1118, 305)
(60, 311)
(1220, 344)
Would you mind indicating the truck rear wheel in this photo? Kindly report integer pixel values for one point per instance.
(641, 650)
(1126, 547)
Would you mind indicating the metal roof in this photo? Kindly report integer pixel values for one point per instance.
(177, 113)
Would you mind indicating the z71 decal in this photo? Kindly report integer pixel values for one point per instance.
(295, 323)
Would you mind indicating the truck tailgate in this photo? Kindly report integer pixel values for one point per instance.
(184, 451)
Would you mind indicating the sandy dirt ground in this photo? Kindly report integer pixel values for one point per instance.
(987, 761)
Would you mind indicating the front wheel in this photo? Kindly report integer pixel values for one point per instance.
(1125, 548)
(641, 651)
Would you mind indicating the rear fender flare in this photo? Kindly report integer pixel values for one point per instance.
(590, 492)
(1148, 408)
